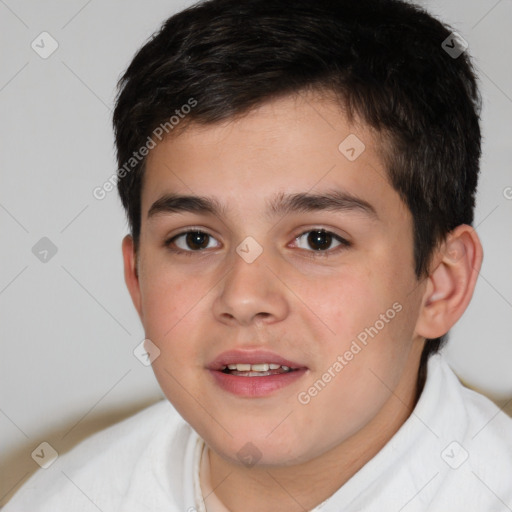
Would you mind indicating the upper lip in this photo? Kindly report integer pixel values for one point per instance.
(250, 357)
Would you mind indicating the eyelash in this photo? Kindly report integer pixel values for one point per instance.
(344, 244)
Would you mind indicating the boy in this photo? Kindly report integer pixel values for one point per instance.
(299, 178)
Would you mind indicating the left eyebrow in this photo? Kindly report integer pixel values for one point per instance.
(280, 204)
(335, 201)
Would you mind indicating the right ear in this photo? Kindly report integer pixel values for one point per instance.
(131, 276)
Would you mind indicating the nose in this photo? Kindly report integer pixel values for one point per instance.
(250, 293)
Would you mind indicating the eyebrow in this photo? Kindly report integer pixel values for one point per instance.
(280, 204)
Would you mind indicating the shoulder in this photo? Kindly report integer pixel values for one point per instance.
(97, 472)
(480, 455)
(485, 421)
(489, 432)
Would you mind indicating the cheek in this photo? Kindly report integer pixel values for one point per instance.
(348, 304)
(173, 307)
(355, 382)
(376, 344)
(174, 310)
(169, 299)
(371, 327)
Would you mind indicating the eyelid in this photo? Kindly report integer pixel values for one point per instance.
(327, 229)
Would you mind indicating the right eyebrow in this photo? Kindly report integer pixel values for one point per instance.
(175, 203)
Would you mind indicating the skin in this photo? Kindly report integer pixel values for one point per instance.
(306, 307)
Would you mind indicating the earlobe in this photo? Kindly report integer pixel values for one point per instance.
(131, 274)
(451, 283)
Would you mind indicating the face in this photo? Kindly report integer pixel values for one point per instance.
(297, 265)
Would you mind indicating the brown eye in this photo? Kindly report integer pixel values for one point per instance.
(191, 241)
(196, 240)
(320, 240)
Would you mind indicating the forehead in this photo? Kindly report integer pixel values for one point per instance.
(292, 145)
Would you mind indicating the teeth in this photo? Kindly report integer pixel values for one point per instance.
(260, 367)
(263, 367)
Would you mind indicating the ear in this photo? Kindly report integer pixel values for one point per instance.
(131, 276)
(451, 283)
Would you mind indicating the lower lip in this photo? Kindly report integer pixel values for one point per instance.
(256, 386)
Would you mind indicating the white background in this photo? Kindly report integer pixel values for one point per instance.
(68, 328)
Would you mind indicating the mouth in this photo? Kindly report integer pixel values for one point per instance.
(256, 370)
(254, 373)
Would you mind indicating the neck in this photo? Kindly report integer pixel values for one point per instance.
(302, 487)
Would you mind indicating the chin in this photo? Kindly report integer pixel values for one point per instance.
(252, 444)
